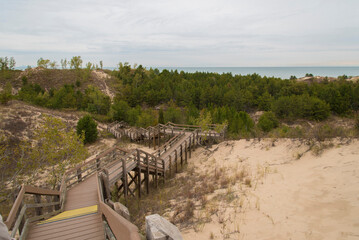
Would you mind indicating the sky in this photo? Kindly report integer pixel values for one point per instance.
(185, 33)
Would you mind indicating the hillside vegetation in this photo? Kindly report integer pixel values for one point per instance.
(145, 97)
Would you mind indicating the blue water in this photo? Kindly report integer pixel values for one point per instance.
(281, 72)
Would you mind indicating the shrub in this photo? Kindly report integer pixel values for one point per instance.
(87, 126)
(5, 95)
(267, 121)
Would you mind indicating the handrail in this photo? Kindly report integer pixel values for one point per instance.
(169, 143)
(19, 200)
(121, 228)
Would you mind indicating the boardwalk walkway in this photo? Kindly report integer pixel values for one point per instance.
(83, 209)
(85, 224)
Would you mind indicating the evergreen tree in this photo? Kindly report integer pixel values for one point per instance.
(88, 127)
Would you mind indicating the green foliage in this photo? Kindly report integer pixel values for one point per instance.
(44, 63)
(120, 110)
(76, 62)
(173, 114)
(161, 118)
(302, 106)
(267, 121)
(241, 124)
(55, 149)
(6, 94)
(7, 64)
(146, 118)
(97, 101)
(87, 127)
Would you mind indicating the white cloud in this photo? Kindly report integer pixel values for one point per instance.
(183, 33)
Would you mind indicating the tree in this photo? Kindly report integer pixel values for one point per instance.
(53, 65)
(101, 64)
(267, 121)
(4, 63)
(76, 62)
(87, 127)
(57, 147)
(12, 63)
(54, 149)
(120, 111)
(44, 63)
(64, 63)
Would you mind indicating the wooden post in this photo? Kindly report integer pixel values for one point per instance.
(164, 171)
(38, 210)
(79, 175)
(154, 139)
(190, 149)
(159, 136)
(181, 154)
(97, 163)
(176, 161)
(170, 166)
(56, 199)
(156, 172)
(185, 151)
(124, 180)
(149, 138)
(147, 175)
(139, 173)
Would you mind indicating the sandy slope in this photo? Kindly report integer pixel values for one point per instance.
(313, 197)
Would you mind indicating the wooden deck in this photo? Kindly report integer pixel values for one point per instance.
(88, 226)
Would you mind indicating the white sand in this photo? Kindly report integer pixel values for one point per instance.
(313, 197)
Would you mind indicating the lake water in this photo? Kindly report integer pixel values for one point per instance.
(281, 72)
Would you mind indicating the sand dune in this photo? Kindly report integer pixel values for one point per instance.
(293, 193)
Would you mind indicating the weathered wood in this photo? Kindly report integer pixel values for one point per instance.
(181, 155)
(139, 174)
(190, 149)
(125, 181)
(170, 164)
(147, 175)
(38, 210)
(156, 173)
(79, 175)
(185, 151)
(176, 160)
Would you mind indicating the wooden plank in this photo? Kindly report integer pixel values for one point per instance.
(15, 208)
(139, 174)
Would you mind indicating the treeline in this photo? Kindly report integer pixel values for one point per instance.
(244, 93)
(193, 97)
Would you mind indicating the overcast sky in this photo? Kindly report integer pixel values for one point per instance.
(192, 33)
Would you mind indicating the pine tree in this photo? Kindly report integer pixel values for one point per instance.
(87, 126)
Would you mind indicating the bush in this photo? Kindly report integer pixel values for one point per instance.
(5, 95)
(87, 126)
(267, 121)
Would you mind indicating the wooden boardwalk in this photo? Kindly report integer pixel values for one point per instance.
(83, 209)
(85, 226)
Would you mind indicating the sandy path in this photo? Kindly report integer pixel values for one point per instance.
(314, 197)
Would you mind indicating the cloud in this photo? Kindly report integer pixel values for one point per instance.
(182, 33)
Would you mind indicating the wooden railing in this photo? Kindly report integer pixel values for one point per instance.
(162, 149)
(116, 226)
(20, 217)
